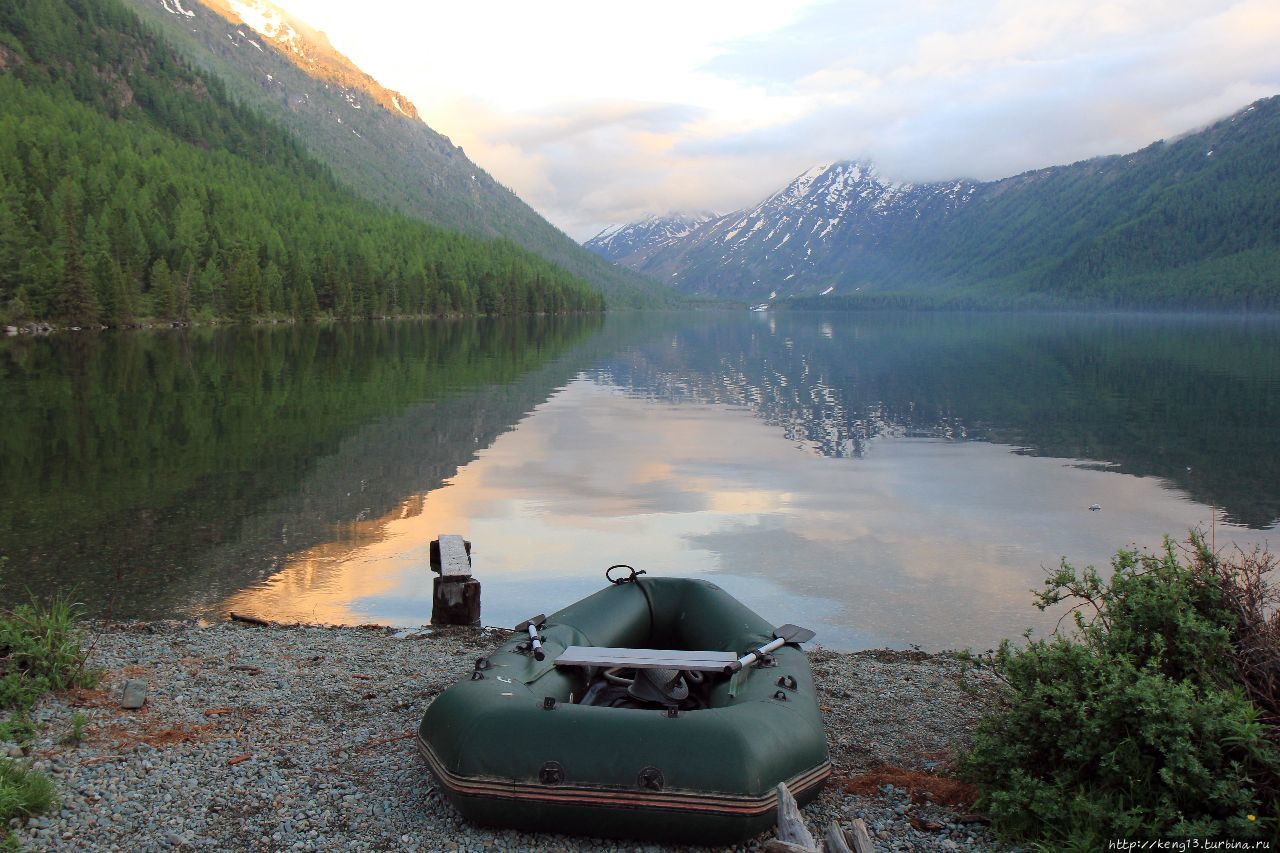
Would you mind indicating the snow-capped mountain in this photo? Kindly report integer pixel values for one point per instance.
(784, 244)
(1194, 216)
(620, 242)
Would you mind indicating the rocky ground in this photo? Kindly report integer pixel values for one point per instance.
(276, 738)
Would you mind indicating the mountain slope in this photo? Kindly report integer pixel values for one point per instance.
(370, 136)
(1194, 220)
(132, 186)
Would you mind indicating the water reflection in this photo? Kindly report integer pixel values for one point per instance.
(1193, 400)
(889, 479)
(159, 472)
(919, 541)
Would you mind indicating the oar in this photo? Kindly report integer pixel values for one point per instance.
(532, 626)
(786, 634)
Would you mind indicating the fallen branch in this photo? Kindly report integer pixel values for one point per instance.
(251, 620)
(239, 759)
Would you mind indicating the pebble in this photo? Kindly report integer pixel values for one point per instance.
(329, 769)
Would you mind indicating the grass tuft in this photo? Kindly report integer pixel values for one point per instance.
(24, 792)
(41, 649)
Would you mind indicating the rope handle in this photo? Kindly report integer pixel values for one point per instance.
(631, 578)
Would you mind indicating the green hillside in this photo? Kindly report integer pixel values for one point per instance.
(1191, 221)
(386, 155)
(132, 185)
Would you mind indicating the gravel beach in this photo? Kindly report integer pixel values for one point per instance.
(300, 737)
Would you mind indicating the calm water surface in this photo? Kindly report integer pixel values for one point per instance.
(886, 479)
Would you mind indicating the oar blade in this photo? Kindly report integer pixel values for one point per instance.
(794, 634)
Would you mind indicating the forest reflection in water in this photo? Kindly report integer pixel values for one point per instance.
(891, 479)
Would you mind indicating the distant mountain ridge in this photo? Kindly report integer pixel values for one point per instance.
(1194, 219)
(618, 242)
(369, 135)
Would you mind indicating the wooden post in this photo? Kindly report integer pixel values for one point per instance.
(455, 596)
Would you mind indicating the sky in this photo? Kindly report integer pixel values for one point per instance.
(599, 113)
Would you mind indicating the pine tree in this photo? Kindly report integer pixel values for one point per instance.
(11, 241)
(164, 295)
(308, 304)
(246, 286)
(77, 301)
(273, 288)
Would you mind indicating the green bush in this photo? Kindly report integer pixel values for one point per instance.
(1137, 725)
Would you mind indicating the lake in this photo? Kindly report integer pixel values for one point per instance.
(888, 480)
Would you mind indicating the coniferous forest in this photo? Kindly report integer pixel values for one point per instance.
(132, 186)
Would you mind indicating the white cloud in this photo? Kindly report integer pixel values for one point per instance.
(596, 113)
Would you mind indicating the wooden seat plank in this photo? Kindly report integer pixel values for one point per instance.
(700, 661)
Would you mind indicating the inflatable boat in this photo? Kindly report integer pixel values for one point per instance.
(657, 708)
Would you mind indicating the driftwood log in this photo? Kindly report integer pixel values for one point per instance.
(834, 838)
(791, 828)
(794, 836)
(858, 837)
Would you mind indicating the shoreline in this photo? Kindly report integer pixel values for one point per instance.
(300, 737)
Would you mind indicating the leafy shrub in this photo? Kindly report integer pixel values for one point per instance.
(1137, 725)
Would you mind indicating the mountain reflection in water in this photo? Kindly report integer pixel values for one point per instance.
(888, 479)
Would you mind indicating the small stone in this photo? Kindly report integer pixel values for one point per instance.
(134, 694)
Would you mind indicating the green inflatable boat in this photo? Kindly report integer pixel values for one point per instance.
(638, 712)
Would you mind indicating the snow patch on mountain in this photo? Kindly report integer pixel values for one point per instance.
(174, 7)
(652, 232)
(269, 21)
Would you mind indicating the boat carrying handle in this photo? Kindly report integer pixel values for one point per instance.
(631, 578)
